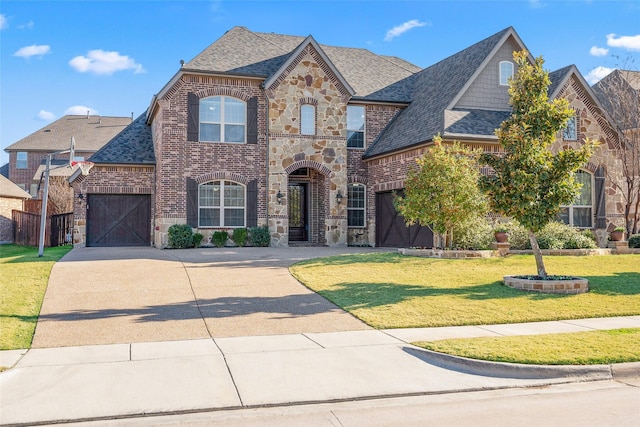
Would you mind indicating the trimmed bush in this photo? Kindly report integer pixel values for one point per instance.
(196, 240)
(219, 238)
(180, 236)
(634, 241)
(475, 234)
(555, 235)
(239, 236)
(260, 236)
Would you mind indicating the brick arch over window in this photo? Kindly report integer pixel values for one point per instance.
(309, 100)
(229, 176)
(357, 179)
(308, 164)
(223, 91)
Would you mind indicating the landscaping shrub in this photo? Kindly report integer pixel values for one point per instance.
(590, 234)
(180, 236)
(260, 236)
(196, 240)
(554, 235)
(239, 236)
(518, 236)
(475, 234)
(634, 241)
(219, 238)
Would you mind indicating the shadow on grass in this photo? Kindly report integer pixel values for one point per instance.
(618, 284)
(364, 258)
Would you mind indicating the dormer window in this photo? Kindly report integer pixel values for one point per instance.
(307, 119)
(506, 72)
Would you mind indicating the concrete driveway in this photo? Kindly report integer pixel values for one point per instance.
(124, 295)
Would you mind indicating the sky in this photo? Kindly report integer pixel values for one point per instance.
(111, 57)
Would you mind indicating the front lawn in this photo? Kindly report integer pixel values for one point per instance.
(388, 290)
(23, 280)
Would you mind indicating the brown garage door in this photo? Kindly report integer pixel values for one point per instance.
(391, 230)
(118, 220)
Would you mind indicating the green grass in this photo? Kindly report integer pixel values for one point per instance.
(388, 290)
(578, 348)
(23, 280)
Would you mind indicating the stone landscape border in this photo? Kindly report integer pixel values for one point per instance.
(573, 285)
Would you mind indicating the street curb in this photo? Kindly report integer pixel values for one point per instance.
(523, 371)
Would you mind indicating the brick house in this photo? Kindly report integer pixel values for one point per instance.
(12, 198)
(311, 141)
(27, 156)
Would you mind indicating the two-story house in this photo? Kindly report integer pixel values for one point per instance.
(311, 141)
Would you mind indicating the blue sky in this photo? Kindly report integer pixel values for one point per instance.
(110, 57)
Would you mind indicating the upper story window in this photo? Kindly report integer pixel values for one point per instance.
(21, 160)
(506, 72)
(570, 133)
(221, 204)
(355, 126)
(356, 205)
(222, 119)
(307, 119)
(579, 214)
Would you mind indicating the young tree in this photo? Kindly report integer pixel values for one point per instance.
(619, 93)
(530, 182)
(442, 191)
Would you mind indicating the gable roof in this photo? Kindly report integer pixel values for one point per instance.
(134, 145)
(90, 133)
(243, 52)
(434, 91)
(619, 94)
(10, 189)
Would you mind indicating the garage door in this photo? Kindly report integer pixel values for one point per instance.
(391, 230)
(118, 220)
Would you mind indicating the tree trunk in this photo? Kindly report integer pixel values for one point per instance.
(537, 254)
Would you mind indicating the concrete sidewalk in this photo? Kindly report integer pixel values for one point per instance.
(122, 380)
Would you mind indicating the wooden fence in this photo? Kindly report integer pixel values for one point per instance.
(59, 229)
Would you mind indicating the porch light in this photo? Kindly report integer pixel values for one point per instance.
(279, 196)
(339, 197)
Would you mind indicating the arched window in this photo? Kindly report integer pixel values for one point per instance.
(506, 72)
(307, 119)
(221, 204)
(356, 205)
(222, 119)
(580, 213)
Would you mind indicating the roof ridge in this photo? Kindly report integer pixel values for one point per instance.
(259, 34)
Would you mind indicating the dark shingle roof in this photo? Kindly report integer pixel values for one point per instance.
(556, 77)
(134, 145)
(89, 132)
(434, 89)
(244, 52)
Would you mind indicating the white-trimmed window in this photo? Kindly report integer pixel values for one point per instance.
(307, 119)
(580, 213)
(221, 204)
(355, 126)
(570, 132)
(21, 160)
(356, 205)
(506, 72)
(223, 119)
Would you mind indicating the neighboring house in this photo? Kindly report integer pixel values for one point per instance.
(12, 198)
(312, 141)
(28, 155)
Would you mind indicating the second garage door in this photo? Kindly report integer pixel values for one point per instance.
(118, 220)
(391, 229)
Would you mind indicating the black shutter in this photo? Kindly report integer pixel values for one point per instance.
(252, 203)
(252, 120)
(193, 116)
(601, 201)
(192, 202)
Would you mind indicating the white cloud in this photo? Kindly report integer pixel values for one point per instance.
(33, 50)
(80, 110)
(27, 26)
(598, 51)
(403, 28)
(626, 42)
(46, 115)
(102, 62)
(598, 74)
(3, 21)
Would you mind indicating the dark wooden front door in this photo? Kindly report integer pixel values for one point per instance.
(118, 220)
(298, 224)
(391, 229)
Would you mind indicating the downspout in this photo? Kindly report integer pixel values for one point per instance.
(266, 114)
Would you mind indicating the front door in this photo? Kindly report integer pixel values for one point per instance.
(298, 225)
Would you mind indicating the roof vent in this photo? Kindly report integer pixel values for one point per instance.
(87, 114)
(182, 62)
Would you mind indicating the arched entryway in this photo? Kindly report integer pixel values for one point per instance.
(306, 206)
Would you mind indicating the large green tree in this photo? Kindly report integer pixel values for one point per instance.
(530, 182)
(441, 190)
